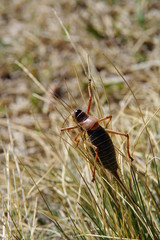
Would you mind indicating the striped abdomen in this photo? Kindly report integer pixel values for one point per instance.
(106, 152)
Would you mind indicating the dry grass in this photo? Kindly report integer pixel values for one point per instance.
(46, 189)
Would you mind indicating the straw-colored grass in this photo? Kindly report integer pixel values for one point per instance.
(46, 58)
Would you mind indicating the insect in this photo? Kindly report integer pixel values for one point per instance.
(100, 141)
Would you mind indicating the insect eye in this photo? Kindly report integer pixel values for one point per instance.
(80, 116)
(77, 112)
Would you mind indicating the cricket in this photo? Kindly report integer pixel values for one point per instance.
(99, 140)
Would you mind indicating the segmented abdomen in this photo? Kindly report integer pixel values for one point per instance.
(106, 152)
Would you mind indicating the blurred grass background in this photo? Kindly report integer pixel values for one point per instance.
(30, 146)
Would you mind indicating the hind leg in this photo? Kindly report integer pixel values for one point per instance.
(125, 135)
